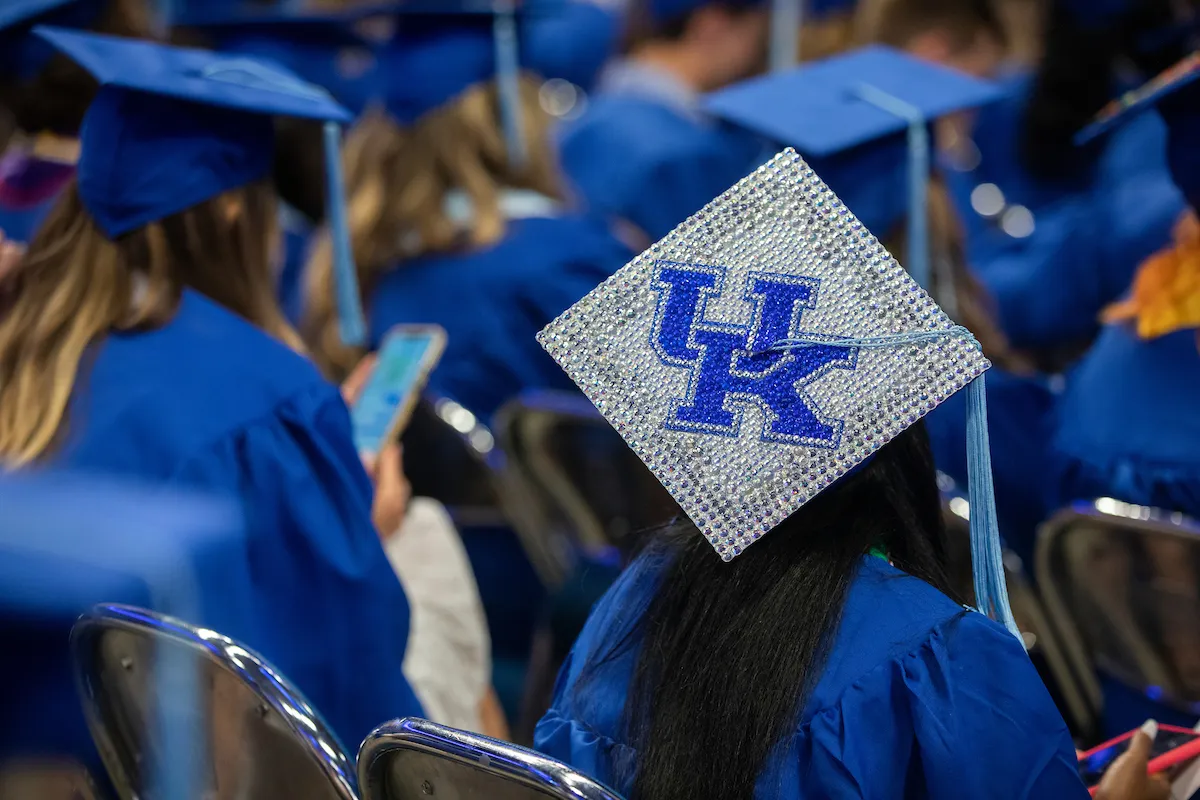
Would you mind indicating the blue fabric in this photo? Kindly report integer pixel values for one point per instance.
(493, 301)
(918, 698)
(635, 158)
(111, 542)
(1088, 240)
(19, 224)
(1020, 423)
(448, 58)
(212, 403)
(22, 55)
(571, 41)
(172, 127)
(1127, 423)
(297, 246)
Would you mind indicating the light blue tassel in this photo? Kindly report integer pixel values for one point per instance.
(786, 18)
(918, 179)
(987, 560)
(351, 322)
(508, 82)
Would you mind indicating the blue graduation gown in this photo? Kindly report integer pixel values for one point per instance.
(639, 158)
(211, 402)
(492, 302)
(919, 698)
(1127, 422)
(1088, 240)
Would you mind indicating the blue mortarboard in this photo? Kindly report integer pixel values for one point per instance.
(172, 127)
(767, 347)
(327, 48)
(24, 55)
(861, 98)
(443, 47)
(1176, 95)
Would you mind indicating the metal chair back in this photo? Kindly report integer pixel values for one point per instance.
(1122, 584)
(249, 733)
(413, 759)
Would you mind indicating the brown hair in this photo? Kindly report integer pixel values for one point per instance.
(397, 180)
(955, 285)
(57, 97)
(75, 286)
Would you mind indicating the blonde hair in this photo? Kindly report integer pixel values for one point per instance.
(75, 286)
(397, 180)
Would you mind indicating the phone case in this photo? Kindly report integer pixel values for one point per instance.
(1159, 763)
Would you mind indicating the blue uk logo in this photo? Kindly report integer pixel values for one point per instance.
(730, 365)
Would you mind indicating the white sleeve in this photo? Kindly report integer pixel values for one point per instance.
(448, 661)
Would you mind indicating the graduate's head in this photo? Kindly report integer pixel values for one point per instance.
(172, 192)
(967, 35)
(708, 43)
(770, 363)
(427, 173)
(42, 90)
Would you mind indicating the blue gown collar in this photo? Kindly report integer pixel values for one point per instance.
(629, 76)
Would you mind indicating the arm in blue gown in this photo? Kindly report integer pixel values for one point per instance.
(336, 617)
(965, 714)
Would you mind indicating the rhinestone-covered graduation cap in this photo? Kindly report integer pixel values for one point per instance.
(172, 127)
(764, 349)
(839, 106)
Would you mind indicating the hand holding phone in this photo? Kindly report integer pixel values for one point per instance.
(1131, 767)
(388, 394)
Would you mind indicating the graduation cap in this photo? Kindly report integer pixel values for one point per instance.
(1176, 95)
(842, 104)
(443, 47)
(767, 347)
(172, 127)
(332, 49)
(23, 55)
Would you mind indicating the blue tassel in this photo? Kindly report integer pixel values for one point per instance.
(351, 322)
(987, 559)
(508, 81)
(919, 264)
(786, 18)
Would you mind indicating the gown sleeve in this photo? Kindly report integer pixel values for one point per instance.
(963, 715)
(335, 616)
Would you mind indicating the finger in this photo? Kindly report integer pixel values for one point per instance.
(1143, 742)
(370, 463)
(352, 387)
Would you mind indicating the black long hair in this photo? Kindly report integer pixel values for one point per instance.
(728, 653)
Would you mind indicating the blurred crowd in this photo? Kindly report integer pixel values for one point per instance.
(213, 214)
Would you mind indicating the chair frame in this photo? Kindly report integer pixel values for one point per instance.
(515, 764)
(1105, 511)
(274, 692)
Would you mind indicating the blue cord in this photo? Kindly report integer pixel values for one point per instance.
(918, 179)
(508, 82)
(352, 323)
(987, 557)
